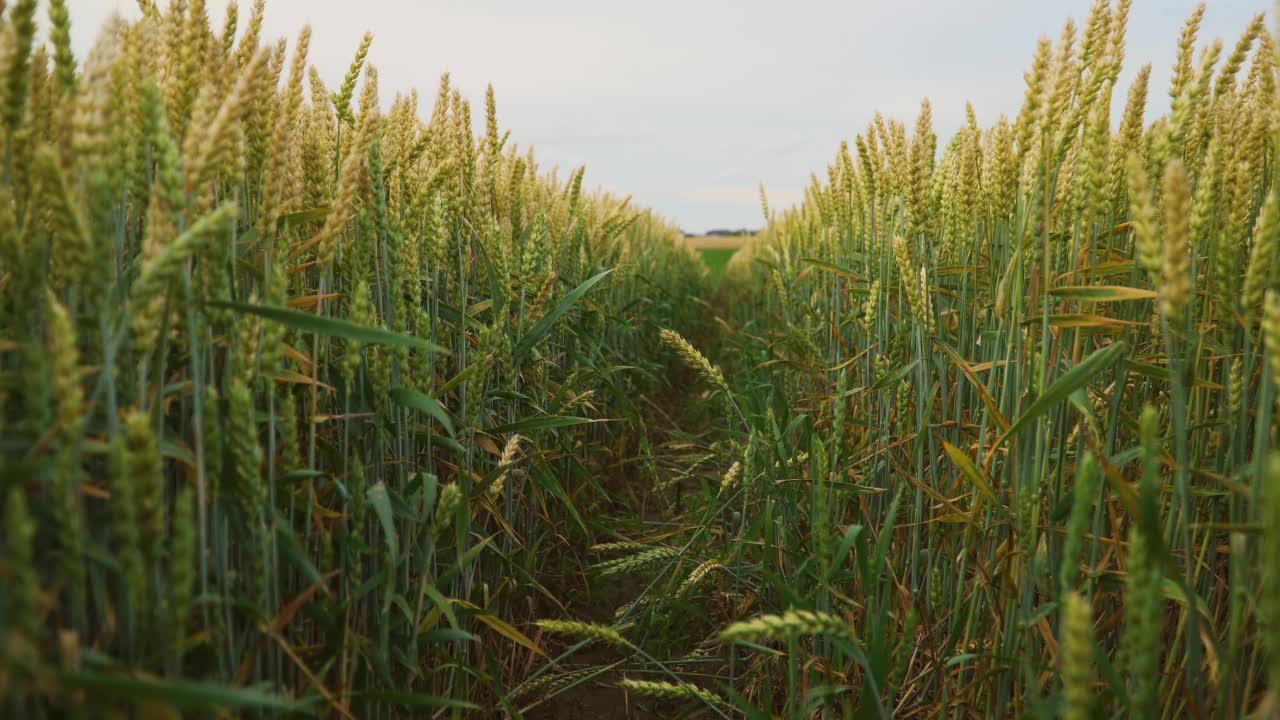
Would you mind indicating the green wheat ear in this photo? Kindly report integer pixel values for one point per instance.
(1077, 658)
(1144, 616)
(182, 563)
(1271, 331)
(792, 623)
(22, 613)
(1270, 597)
(125, 533)
(342, 99)
(731, 478)
(694, 359)
(446, 508)
(698, 574)
(64, 369)
(625, 545)
(147, 470)
(635, 561)
(1082, 502)
(17, 77)
(671, 691)
(548, 685)
(586, 630)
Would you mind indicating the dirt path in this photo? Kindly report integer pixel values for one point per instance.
(673, 430)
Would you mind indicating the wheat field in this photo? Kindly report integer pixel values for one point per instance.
(315, 400)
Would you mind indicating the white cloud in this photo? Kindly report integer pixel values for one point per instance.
(739, 196)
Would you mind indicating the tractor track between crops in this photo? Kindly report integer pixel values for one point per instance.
(598, 602)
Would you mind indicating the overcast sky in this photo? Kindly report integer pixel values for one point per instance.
(688, 104)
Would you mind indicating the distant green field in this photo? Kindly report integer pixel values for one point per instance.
(716, 260)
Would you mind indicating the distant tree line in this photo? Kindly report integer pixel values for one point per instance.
(722, 232)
